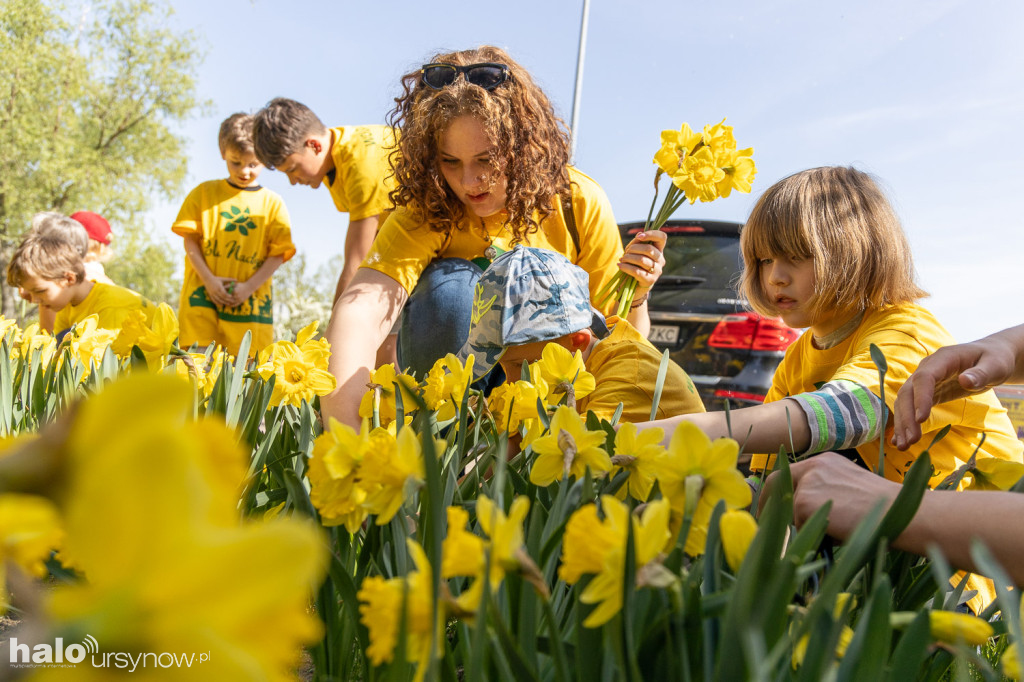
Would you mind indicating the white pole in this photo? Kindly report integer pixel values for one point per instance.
(578, 90)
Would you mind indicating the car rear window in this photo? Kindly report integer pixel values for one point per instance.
(700, 274)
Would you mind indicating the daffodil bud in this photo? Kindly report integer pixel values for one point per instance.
(738, 529)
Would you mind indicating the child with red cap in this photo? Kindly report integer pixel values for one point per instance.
(98, 229)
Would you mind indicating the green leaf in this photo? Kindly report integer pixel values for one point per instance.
(659, 384)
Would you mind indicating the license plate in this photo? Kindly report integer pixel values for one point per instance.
(661, 333)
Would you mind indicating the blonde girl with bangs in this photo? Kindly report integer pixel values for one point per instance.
(824, 250)
(481, 166)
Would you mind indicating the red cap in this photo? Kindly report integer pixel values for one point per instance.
(95, 224)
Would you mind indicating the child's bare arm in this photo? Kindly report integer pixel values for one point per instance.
(358, 239)
(247, 288)
(216, 287)
(767, 425)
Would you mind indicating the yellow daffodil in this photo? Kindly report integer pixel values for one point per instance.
(675, 145)
(596, 546)
(385, 377)
(310, 345)
(30, 529)
(738, 528)
(992, 473)
(153, 336)
(300, 374)
(514, 403)
(699, 176)
(739, 170)
(380, 609)
(170, 565)
(463, 554)
(391, 472)
(435, 391)
(333, 466)
(559, 368)
(719, 139)
(640, 454)
(6, 326)
(569, 449)
(203, 370)
(959, 628)
(89, 343)
(33, 339)
(692, 453)
(800, 650)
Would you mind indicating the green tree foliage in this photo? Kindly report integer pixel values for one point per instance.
(88, 110)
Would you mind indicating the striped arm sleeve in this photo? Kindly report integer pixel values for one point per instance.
(841, 414)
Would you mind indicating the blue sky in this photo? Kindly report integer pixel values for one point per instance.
(927, 96)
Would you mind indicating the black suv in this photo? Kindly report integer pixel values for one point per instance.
(728, 351)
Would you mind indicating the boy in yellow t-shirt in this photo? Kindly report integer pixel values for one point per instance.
(51, 272)
(530, 297)
(236, 235)
(351, 161)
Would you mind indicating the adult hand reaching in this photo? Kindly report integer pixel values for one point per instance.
(954, 372)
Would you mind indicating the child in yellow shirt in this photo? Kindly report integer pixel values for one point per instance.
(236, 235)
(51, 272)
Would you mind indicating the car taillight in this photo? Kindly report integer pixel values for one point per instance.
(740, 395)
(750, 330)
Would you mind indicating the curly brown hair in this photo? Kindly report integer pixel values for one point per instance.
(531, 144)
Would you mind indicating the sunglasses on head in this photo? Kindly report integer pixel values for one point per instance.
(487, 75)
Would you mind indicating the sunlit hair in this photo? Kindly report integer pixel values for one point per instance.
(236, 133)
(59, 226)
(839, 217)
(281, 128)
(531, 144)
(46, 257)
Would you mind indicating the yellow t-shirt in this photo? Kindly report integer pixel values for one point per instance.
(361, 180)
(405, 246)
(905, 334)
(109, 302)
(239, 229)
(625, 368)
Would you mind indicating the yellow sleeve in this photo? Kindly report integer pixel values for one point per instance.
(363, 182)
(279, 230)
(190, 216)
(600, 241)
(404, 247)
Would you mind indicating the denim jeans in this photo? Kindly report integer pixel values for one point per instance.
(436, 318)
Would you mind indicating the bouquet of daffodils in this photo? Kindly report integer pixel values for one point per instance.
(702, 165)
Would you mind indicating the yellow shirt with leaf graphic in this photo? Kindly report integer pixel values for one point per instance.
(239, 229)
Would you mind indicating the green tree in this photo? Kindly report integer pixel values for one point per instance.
(88, 113)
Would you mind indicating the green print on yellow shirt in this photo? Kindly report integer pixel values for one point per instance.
(250, 311)
(238, 219)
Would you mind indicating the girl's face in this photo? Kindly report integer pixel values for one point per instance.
(465, 158)
(789, 283)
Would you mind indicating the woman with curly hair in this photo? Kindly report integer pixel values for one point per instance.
(482, 166)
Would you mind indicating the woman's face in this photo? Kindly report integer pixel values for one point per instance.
(465, 158)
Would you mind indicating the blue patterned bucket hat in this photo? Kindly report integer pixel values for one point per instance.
(526, 295)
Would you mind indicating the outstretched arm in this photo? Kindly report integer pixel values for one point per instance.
(761, 428)
(361, 319)
(358, 240)
(946, 518)
(954, 372)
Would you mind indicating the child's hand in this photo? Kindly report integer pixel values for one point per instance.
(644, 258)
(219, 290)
(241, 292)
